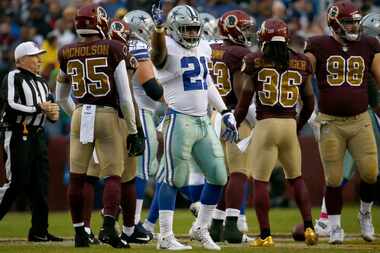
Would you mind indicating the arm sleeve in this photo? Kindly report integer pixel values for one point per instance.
(63, 97)
(125, 96)
(214, 97)
(12, 95)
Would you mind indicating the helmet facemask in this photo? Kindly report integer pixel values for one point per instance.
(190, 35)
(349, 28)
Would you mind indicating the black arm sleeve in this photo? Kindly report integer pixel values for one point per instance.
(153, 89)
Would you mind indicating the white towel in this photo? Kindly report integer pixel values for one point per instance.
(218, 124)
(244, 143)
(87, 124)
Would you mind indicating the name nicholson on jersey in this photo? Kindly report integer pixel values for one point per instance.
(85, 51)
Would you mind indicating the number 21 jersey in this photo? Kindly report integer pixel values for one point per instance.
(185, 85)
(342, 73)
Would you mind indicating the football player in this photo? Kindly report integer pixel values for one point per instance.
(144, 82)
(94, 69)
(370, 25)
(278, 77)
(235, 27)
(342, 63)
(187, 129)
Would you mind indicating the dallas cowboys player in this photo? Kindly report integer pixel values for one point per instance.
(187, 130)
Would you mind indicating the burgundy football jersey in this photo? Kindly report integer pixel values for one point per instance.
(91, 66)
(342, 73)
(277, 92)
(226, 60)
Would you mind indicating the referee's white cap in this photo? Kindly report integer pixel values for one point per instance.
(27, 48)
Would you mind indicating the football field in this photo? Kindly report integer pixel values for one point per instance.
(14, 228)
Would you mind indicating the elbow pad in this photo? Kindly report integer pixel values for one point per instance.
(153, 89)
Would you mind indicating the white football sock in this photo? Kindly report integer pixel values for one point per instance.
(205, 215)
(149, 226)
(334, 220)
(139, 204)
(219, 214)
(323, 213)
(365, 207)
(166, 222)
(232, 212)
(128, 230)
(81, 224)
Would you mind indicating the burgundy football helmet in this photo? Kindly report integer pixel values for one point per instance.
(343, 17)
(119, 30)
(273, 29)
(91, 19)
(238, 27)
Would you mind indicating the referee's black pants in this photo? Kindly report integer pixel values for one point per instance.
(27, 169)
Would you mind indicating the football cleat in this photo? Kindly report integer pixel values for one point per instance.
(336, 235)
(171, 243)
(81, 239)
(111, 237)
(311, 238)
(267, 242)
(242, 224)
(322, 227)
(91, 237)
(202, 235)
(231, 231)
(217, 230)
(139, 235)
(366, 226)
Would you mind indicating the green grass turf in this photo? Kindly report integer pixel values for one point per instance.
(14, 228)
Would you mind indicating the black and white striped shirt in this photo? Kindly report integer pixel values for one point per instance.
(21, 92)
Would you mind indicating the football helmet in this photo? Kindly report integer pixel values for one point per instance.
(273, 29)
(210, 26)
(343, 17)
(140, 24)
(370, 25)
(91, 19)
(238, 27)
(185, 26)
(119, 30)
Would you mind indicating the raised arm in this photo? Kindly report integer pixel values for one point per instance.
(158, 52)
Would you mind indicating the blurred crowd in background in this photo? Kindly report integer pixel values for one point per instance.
(50, 24)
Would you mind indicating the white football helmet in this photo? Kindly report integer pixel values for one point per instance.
(210, 26)
(141, 25)
(185, 26)
(370, 25)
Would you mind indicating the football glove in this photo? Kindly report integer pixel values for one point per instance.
(230, 133)
(158, 15)
(136, 143)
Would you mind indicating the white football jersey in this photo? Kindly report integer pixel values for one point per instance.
(140, 51)
(184, 81)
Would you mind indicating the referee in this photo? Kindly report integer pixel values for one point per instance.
(26, 105)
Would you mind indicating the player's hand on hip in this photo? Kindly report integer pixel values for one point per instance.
(136, 143)
(230, 133)
(158, 14)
